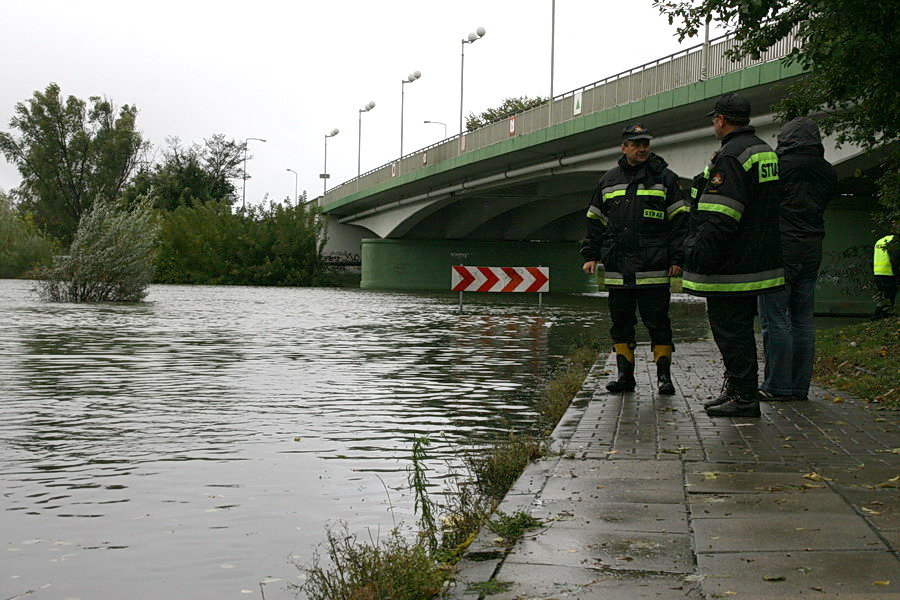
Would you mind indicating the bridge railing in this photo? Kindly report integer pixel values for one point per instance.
(664, 74)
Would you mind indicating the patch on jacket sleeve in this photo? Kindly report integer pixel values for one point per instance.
(717, 179)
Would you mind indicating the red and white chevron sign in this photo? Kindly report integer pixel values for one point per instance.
(500, 279)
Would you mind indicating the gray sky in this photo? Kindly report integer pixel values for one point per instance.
(290, 72)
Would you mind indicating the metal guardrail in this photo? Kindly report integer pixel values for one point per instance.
(664, 74)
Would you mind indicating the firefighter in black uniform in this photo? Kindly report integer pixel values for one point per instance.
(733, 250)
(636, 225)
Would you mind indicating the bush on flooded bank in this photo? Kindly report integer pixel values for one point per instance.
(424, 564)
(23, 247)
(862, 359)
(110, 260)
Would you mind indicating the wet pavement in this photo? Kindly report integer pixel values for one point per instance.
(648, 497)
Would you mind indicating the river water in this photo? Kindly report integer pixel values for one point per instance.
(196, 445)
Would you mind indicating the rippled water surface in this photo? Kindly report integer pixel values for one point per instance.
(194, 445)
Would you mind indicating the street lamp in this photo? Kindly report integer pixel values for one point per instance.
(410, 78)
(552, 58)
(296, 179)
(365, 108)
(324, 176)
(244, 184)
(439, 123)
(471, 39)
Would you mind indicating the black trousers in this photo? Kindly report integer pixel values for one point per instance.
(731, 321)
(653, 304)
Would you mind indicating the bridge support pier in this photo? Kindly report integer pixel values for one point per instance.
(425, 264)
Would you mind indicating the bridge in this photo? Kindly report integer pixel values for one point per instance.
(514, 193)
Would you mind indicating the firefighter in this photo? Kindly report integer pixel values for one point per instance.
(636, 225)
(733, 250)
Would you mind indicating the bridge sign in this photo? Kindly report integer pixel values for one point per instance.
(500, 279)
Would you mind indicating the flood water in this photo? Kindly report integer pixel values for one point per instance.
(197, 444)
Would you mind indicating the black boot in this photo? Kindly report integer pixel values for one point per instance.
(741, 403)
(625, 362)
(723, 397)
(663, 357)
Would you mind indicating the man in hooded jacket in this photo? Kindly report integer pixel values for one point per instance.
(636, 225)
(808, 182)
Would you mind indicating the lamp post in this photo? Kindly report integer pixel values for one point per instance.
(552, 58)
(439, 123)
(409, 79)
(324, 176)
(244, 184)
(296, 179)
(365, 108)
(470, 39)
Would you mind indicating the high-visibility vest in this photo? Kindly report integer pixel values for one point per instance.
(881, 260)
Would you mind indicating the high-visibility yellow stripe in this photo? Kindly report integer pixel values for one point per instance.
(614, 194)
(660, 193)
(720, 208)
(748, 286)
(652, 280)
(680, 209)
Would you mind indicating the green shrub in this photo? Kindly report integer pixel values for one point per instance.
(23, 248)
(390, 569)
(111, 258)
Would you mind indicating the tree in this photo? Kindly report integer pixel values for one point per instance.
(849, 52)
(509, 107)
(190, 176)
(70, 153)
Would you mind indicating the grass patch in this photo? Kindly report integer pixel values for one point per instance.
(489, 588)
(513, 527)
(498, 467)
(861, 359)
(392, 568)
(565, 383)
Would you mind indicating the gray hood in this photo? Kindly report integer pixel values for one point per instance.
(799, 133)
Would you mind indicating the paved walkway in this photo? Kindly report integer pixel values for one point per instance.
(651, 498)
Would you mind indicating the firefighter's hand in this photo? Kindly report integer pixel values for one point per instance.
(674, 271)
(590, 267)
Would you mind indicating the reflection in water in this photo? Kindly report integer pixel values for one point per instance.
(188, 445)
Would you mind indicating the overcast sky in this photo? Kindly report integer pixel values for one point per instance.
(290, 72)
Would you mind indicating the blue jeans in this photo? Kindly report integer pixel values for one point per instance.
(789, 333)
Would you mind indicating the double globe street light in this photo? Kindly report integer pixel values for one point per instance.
(410, 78)
(470, 39)
(365, 108)
(324, 176)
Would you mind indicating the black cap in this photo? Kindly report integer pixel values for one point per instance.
(636, 131)
(731, 105)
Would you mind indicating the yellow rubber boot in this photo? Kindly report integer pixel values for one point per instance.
(662, 356)
(625, 363)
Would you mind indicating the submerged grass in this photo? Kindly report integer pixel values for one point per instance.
(861, 359)
(417, 567)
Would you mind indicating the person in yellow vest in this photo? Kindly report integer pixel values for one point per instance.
(886, 268)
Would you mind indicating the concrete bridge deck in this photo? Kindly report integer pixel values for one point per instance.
(651, 498)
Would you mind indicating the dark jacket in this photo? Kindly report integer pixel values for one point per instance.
(808, 183)
(636, 224)
(734, 245)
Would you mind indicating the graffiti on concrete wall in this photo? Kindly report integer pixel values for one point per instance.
(849, 270)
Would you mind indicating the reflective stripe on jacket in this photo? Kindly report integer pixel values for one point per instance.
(734, 245)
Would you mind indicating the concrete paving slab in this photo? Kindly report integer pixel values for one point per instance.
(747, 483)
(619, 469)
(613, 516)
(629, 551)
(881, 508)
(823, 504)
(829, 574)
(653, 491)
(798, 531)
(574, 583)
